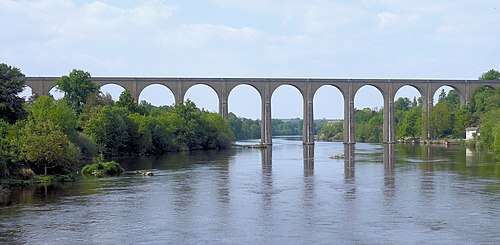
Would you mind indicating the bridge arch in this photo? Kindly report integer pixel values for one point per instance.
(249, 93)
(447, 89)
(157, 94)
(204, 96)
(56, 93)
(328, 94)
(26, 93)
(114, 89)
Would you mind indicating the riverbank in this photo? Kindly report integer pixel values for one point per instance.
(445, 142)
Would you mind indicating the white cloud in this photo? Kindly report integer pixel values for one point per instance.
(388, 19)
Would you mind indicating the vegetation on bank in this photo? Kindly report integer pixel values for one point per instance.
(51, 137)
(446, 119)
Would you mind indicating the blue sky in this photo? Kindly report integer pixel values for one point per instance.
(456, 39)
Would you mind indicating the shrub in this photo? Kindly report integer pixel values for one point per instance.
(103, 168)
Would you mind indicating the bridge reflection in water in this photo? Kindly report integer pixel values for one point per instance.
(349, 160)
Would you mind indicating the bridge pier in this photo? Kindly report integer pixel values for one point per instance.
(389, 130)
(266, 128)
(349, 137)
(308, 122)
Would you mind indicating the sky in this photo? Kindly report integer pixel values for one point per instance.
(429, 39)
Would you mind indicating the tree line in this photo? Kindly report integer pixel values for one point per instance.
(446, 119)
(48, 136)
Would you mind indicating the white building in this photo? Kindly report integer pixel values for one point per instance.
(472, 133)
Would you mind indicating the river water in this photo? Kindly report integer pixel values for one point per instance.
(288, 194)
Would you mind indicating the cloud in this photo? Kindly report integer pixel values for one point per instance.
(388, 19)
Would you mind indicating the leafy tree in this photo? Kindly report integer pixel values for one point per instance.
(45, 146)
(77, 87)
(490, 75)
(411, 124)
(462, 119)
(108, 127)
(440, 120)
(490, 123)
(126, 100)
(331, 132)
(11, 84)
(452, 99)
(219, 132)
(96, 99)
(45, 108)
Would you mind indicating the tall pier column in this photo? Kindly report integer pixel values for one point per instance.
(266, 127)
(425, 117)
(223, 96)
(308, 125)
(389, 125)
(349, 136)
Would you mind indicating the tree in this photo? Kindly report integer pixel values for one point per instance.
(77, 87)
(109, 128)
(45, 108)
(126, 100)
(489, 129)
(440, 120)
(44, 145)
(11, 84)
(490, 75)
(411, 124)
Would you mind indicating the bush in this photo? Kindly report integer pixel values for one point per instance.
(103, 168)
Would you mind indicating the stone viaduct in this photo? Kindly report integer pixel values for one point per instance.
(306, 86)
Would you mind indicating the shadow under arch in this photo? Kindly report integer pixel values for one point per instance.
(204, 96)
(157, 94)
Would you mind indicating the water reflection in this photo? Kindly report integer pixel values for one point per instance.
(308, 160)
(349, 161)
(392, 194)
(349, 167)
(389, 176)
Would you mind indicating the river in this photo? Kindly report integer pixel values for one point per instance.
(287, 194)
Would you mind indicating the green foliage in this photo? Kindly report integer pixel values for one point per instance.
(126, 100)
(489, 130)
(11, 84)
(45, 108)
(77, 87)
(440, 121)
(45, 146)
(244, 128)
(490, 75)
(411, 123)
(331, 132)
(108, 127)
(287, 126)
(103, 168)
(87, 146)
(368, 125)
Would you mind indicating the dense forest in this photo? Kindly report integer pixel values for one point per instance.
(47, 136)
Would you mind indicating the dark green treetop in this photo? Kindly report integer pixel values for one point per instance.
(77, 87)
(11, 84)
